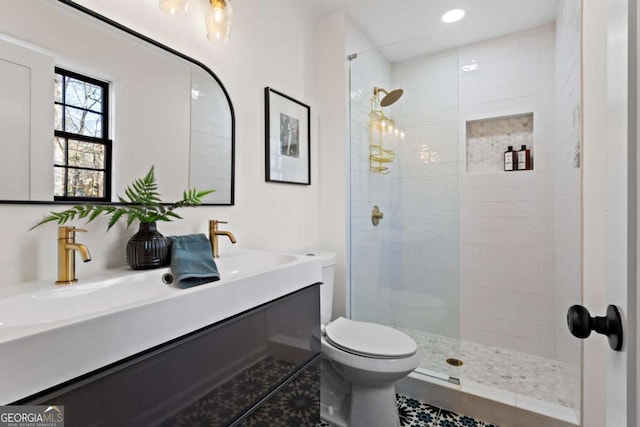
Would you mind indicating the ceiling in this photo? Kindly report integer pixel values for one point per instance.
(403, 29)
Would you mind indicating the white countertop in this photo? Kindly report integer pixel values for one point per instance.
(51, 334)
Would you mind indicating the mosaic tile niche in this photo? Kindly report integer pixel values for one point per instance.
(488, 139)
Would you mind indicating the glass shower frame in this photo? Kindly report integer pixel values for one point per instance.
(404, 272)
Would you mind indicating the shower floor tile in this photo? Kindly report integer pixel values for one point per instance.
(521, 373)
(414, 413)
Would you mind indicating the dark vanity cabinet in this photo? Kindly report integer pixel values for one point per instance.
(257, 368)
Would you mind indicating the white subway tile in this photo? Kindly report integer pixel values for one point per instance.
(499, 48)
(518, 329)
(537, 285)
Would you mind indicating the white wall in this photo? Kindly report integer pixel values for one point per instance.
(271, 45)
(331, 89)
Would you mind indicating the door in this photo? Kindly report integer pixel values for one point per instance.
(26, 84)
(609, 218)
(404, 241)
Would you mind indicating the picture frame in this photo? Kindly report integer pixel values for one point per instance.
(287, 139)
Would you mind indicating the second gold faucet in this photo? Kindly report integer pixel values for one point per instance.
(66, 254)
(213, 236)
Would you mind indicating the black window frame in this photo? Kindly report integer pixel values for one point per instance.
(104, 140)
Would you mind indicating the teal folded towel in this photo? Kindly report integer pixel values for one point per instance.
(191, 261)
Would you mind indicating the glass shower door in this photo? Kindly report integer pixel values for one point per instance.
(404, 162)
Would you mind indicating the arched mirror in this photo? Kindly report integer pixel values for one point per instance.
(88, 105)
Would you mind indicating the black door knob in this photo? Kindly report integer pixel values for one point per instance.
(581, 324)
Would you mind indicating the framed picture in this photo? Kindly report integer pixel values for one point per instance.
(287, 139)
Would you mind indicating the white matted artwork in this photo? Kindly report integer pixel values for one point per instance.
(287, 139)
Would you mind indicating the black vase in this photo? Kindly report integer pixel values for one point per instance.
(147, 248)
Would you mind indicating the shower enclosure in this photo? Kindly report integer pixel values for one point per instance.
(404, 271)
(477, 264)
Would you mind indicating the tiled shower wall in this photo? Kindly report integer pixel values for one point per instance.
(506, 218)
(503, 222)
(209, 165)
(404, 272)
(427, 241)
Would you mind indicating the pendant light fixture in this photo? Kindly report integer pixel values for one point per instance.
(219, 20)
(218, 16)
(174, 7)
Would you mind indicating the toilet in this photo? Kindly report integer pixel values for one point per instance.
(367, 357)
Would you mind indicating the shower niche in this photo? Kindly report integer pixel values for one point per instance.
(487, 140)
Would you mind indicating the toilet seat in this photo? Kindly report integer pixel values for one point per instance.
(369, 339)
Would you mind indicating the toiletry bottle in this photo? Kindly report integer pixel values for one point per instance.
(510, 160)
(524, 158)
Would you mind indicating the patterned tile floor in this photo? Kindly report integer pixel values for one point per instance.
(296, 404)
(418, 414)
(414, 413)
(521, 373)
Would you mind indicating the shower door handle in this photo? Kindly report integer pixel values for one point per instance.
(581, 324)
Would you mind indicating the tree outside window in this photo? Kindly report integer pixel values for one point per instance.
(82, 149)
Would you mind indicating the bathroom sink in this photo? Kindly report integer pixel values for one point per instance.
(244, 264)
(55, 303)
(50, 334)
(119, 288)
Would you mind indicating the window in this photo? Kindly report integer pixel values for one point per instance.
(82, 149)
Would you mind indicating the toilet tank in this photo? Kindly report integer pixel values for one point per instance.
(326, 289)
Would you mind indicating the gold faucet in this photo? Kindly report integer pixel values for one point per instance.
(214, 233)
(66, 258)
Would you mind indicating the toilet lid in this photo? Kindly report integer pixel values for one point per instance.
(369, 339)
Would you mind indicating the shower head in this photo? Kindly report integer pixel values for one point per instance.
(389, 97)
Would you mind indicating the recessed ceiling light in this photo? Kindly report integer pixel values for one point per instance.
(453, 16)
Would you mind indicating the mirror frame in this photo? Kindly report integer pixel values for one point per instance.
(170, 50)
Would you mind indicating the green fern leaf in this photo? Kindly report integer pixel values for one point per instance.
(115, 217)
(201, 194)
(173, 215)
(141, 202)
(96, 212)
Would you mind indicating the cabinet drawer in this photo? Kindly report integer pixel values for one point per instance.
(210, 376)
(296, 403)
